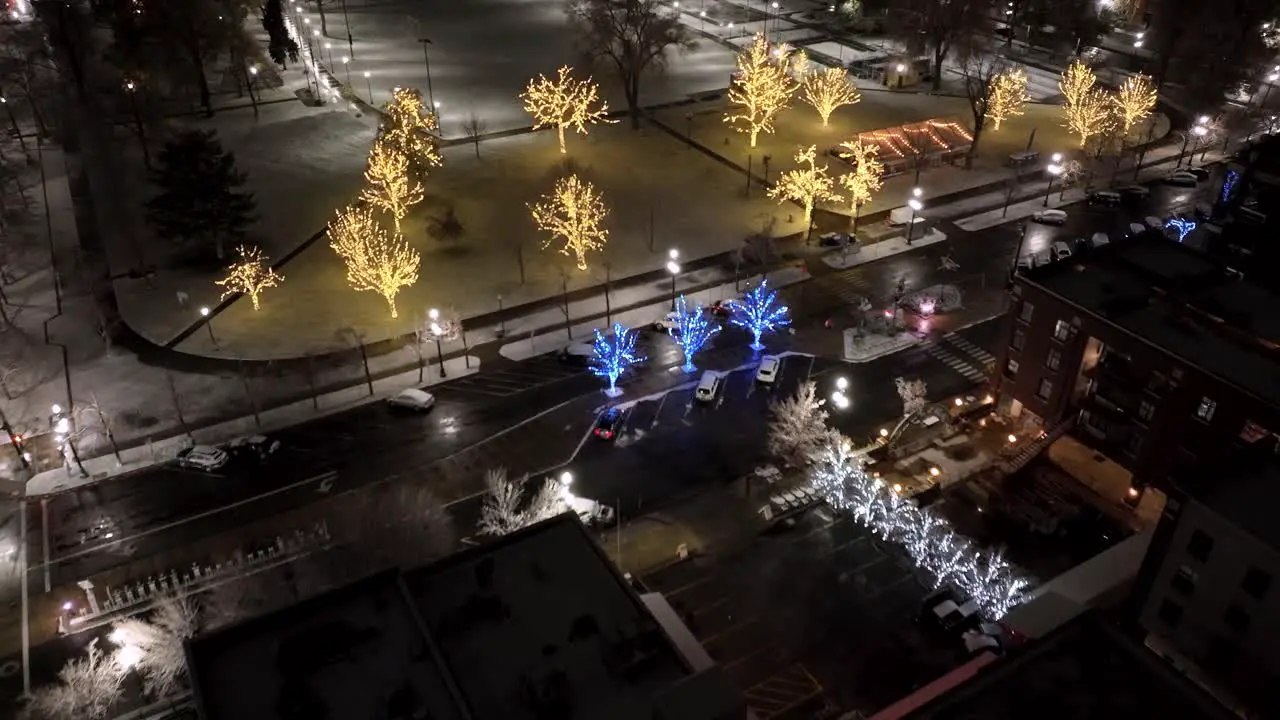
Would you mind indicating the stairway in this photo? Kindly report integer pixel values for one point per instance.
(1028, 452)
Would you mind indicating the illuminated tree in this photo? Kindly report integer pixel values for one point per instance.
(865, 180)
(87, 688)
(758, 312)
(574, 212)
(411, 129)
(564, 103)
(1007, 96)
(162, 660)
(1087, 110)
(375, 260)
(693, 329)
(761, 88)
(613, 354)
(249, 275)
(798, 426)
(390, 187)
(1133, 101)
(805, 185)
(827, 89)
(1076, 83)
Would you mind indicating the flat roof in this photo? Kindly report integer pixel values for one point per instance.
(1145, 286)
(1086, 669)
(536, 624)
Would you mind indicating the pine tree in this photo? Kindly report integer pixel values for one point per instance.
(280, 46)
(200, 200)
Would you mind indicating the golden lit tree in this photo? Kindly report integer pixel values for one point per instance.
(564, 103)
(411, 129)
(761, 88)
(1076, 83)
(375, 260)
(1133, 101)
(249, 275)
(1086, 110)
(390, 188)
(865, 180)
(827, 89)
(808, 185)
(1007, 95)
(574, 212)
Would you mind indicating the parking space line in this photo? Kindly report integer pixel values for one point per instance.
(731, 629)
(672, 593)
(759, 649)
(474, 390)
(782, 692)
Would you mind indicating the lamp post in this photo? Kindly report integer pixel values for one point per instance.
(1054, 169)
(673, 267)
(351, 48)
(368, 85)
(131, 88)
(916, 206)
(1271, 80)
(346, 65)
(840, 398)
(775, 21)
(1198, 130)
(208, 325)
(426, 59)
(328, 51)
(434, 315)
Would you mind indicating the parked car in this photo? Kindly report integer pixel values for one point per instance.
(1181, 178)
(1200, 172)
(202, 457)
(1060, 250)
(945, 613)
(1203, 211)
(1099, 239)
(1136, 229)
(412, 399)
(721, 309)
(1153, 223)
(708, 387)
(1050, 217)
(608, 423)
(590, 512)
(768, 370)
(669, 321)
(257, 447)
(1135, 192)
(1108, 198)
(833, 239)
(577, 353)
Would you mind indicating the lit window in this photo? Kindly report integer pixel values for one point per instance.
(1046, 389)
(1011, 367)
(1053, 360)
(1027, 311)
(1061, 331)
(1206, 409)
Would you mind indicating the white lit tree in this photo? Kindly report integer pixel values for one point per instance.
(87, 689)
(798, 426)
(162, 661)
(390, 188)
(506, 508)
(761, 88)
(827, 89)
(864, 181)
(693, 329)
(913, 394)
(564, 103)
(952, 559)
(249, 275)
(375, 260)
(574, 213)
(809, 184)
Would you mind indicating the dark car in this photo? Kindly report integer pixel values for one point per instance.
(1199, 172)
(833, 240)
(1105, 197)
(721, 309)
(607, 424)
(1134, 192)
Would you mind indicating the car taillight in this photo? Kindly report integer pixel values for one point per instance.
(604, 434)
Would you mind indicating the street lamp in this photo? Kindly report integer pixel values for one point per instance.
(346, 65)
(1054, 169)
(328, 51)
(436, 331)
(431, 97)
(1138, 39)
(368, 84)
(916, 206)
(131, 88)
(673, 267)
(839, 398)
(208, 325)
(775, 21)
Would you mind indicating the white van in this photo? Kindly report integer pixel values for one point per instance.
(708, 387)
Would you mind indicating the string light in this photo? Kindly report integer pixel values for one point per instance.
(692, 330)
(758, 312)
(614, 354)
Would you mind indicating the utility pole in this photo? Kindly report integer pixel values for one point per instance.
(426, 59)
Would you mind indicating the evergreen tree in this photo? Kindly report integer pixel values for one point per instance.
(200, 200)
(280, 46)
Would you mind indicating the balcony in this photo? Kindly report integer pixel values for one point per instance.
(1117, 368)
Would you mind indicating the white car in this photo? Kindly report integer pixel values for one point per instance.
(708, 387)
(412, 399)
(202, 457)
(590, 512)
(768, 370)
(668, 322)
(1181, 179)
(1060, 250)
(577, 353)
(1050, 217)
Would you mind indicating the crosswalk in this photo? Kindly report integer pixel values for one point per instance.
(960, 355)
(849, 286)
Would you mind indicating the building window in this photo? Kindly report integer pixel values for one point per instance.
(1046, 389)
(1256, 583)
(1146, 410)
(1011, 367)
(1199, 546)
(1206, 409)
(1053, 360)
(1027, 311)
(1157, 383)
(1184, 582)
(1236, 619)
(1061, 331)
(1019, 339)
(1170, 613)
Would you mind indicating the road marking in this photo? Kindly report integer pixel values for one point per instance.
(658, 415)
(323, 477)
(326, 485)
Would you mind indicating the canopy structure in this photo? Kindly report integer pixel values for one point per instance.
(920, 144)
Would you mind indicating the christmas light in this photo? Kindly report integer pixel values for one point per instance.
(1134, 101)
(390, 187)
(691, 331)
(1007, 95)
(564, 103)
(865, 180)
(614, 354)
(573, 212)
(1087, 110)
(1182, 226)
(375, 260)
(952, 559)
(928, 133)
(828, 89)
(761, 88)
(408, 127)
(249, 275)
(758, 313)
(807, 185)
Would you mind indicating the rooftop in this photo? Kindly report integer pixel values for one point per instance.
(535, 625)
(1180, 301)
(1086, 669)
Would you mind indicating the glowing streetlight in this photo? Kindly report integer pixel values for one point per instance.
(566, 478)
(934, 472)
(436, 331)
(1012, 438)
(1054, 169)
(368, 84)
(208, 325)
(673, 267)
(346, 65)
(916, 206)
(839, 398)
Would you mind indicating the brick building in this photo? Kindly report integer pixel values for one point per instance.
(1159, 355)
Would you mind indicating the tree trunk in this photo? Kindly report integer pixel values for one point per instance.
(633, 100)
(202, 81)
(520, 261)
(324, 25)
(939, 54)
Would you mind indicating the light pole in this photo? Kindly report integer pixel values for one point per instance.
(208, 325)
(434, 315)
(131, 89)
(426, 59)
(1198, 130)
(368, 84)
(916, 206)
(673, 267)
(1271, 80)
(346, 20)
(1054, 169)
(775, 22)
(839, 398)
(328, 51)
(249, 81)
(346, 65)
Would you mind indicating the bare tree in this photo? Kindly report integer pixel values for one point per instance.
(473, 127)
(87, 689)
(506, 509)
(161, 660)
(798, 426)
(937, 27)
(11, 369)
(91, 416)
(980, 70)
(632, 36)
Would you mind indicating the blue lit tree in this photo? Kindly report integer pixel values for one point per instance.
(1182, 226)
(759, 312)
(614, 354)
(692, 330)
